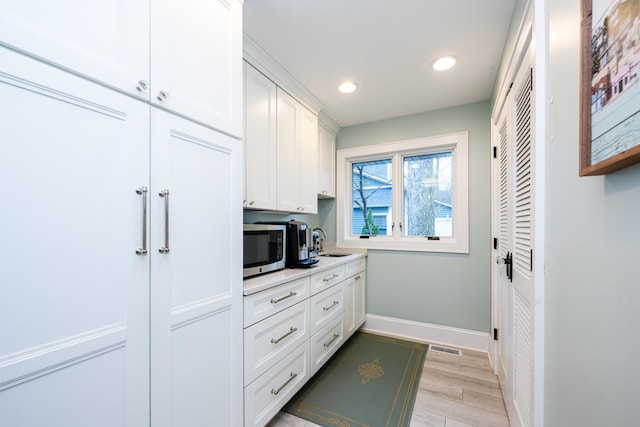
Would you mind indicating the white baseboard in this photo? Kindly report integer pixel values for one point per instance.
(426, 333)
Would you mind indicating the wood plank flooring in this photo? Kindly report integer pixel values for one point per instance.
(454, 391)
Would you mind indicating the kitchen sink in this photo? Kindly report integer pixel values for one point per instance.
(335, 254)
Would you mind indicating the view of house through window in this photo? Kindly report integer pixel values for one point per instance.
(372, 186)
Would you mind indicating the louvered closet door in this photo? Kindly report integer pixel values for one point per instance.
(515, 245)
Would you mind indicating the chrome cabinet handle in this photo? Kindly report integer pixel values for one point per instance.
(331, 278)
(358, 278)
(331, 306)
(277, 340)
(165, 195)
(142, 86)
(292, 375)
(277, 300)
(162, 96)
(335, 337)
(143, 250)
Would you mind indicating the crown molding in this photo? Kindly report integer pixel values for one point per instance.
(261, 60)
(328, 123)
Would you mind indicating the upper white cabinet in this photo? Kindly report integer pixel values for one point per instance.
(184, 56)
(259, 141)
(106, 41)
(196, 61)
(297, 145)
(326, 163)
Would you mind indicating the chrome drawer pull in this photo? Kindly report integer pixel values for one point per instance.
(291, 377)
(335, 337)
(165, 195)
(277, 340)
(291, 294)
(331, 278)
(143, 250)
(331, 306)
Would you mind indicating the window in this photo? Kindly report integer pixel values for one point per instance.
(407, 195)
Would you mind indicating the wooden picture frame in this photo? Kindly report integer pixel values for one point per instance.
(609, 114)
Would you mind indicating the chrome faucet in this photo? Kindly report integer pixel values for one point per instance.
(324, 235)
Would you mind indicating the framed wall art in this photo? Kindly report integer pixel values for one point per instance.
(610, 88)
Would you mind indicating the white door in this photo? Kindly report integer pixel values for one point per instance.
(288, 134)
(196, 60)
(513, 281)
(260, 140)
(308, 161)
(74, 307)
(107, 41)
(196, 283)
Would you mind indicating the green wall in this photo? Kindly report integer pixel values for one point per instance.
(592, 286)
(442, 289)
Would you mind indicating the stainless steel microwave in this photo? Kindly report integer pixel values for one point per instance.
(264, 248)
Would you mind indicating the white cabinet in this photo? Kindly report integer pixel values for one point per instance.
(196, 61)
(107, 41)
(259, 140)
(74, 306)
(293, 327)
(184, 56)
(196, 252)
(297, 139)
(355, 296)
(121, 222)
(326, 163)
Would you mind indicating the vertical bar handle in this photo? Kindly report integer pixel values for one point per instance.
(143, 250)
(165, 195)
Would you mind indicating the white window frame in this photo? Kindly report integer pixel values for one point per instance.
(457, 143)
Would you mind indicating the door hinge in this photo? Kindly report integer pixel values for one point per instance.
(531, 79)
(495, 243)
(495, 334)
(495, 152)
(531, 261)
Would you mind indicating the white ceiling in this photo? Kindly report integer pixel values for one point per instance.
(386, 46)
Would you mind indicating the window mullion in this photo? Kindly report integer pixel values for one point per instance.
(396, 204)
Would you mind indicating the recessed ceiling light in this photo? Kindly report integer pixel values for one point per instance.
(347, 87)
(444, 63)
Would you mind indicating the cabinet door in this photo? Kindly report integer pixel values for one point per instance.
(74, 308)
(308, 162)
(107, 41)
(196, 283)
(288, 134)
(260, 140)
(326, 163)
(355, 313)
(196, 60)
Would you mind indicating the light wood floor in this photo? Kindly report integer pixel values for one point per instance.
(455, 391)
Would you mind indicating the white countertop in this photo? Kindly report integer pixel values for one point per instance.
(269, 280)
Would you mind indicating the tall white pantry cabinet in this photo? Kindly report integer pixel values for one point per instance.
(121, 213)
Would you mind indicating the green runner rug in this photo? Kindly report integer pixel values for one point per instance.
(371, 381)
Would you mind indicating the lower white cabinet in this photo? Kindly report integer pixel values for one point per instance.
(264, 397)
(293, 328)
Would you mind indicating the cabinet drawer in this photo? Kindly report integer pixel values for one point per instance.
(356, 266)
(323, 280)
(325, 343)
(263, 304)
(268, 341)
(325, 306)
(269, 393)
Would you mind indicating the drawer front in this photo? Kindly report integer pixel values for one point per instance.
(323, 280)
(268, 341)
(268, 394)
(356, 266)
(326, 306)
(263, 304)
(325, 343)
